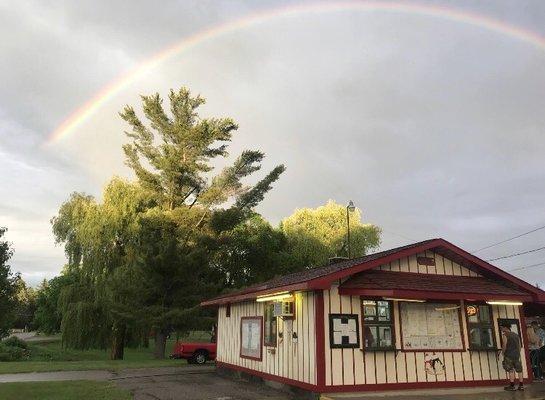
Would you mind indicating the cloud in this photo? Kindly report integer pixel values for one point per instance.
(433, 128)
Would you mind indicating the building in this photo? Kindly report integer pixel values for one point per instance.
(419, 316)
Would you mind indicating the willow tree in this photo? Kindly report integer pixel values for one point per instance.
(101, 299)
(316, 234)
(172, 156)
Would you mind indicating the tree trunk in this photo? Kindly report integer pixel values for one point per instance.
(118, 342)
(160, 344)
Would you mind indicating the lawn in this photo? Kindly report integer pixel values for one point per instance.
(51, 356)
(80, 390)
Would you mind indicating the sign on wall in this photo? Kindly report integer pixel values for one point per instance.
(430, 326)
(344, 331)
(251, 339)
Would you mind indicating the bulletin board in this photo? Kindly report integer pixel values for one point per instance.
(430, 326)
(251, 337)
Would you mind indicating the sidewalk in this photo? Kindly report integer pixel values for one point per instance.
(102, 375)
(535, 391)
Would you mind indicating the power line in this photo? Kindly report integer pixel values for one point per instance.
(507, 240)
(526, 267)
(517, 254)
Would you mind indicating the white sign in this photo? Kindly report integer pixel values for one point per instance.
(430, 326)
(251, 329)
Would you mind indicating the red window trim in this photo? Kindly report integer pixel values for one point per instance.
(391, 324)
(260, 318)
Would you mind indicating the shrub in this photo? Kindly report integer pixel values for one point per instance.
(14, 341)
(12, 353)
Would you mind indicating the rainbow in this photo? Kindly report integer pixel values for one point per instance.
(113, 88)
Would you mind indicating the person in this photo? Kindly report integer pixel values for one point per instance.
(534, 344)
(540, 332)
(511, 356)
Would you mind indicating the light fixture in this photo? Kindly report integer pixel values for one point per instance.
(504, 303)
(409, 300)
(447, 308)
(274, 296)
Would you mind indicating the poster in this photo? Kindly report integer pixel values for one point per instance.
(251, 330)
(430, 326)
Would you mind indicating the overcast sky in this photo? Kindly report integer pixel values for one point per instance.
(433, 127)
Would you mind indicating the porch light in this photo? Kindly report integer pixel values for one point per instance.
(274, 297)
(409, 300)
(504, 303)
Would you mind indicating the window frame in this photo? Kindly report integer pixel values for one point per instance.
(481, 325)
(391, 324)
(273, 343)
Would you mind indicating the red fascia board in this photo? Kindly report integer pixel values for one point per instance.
(434, 295)
(252, 295)
(539, 295)
(325, 282)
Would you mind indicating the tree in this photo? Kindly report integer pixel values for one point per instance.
(7, 287)
(172, 159)
(252, 252)
(25, 305)
(48, 315)
(103, 295)
(143, 258)
(315, 235)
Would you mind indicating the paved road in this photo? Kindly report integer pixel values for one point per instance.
(100, 375)
(197, 386)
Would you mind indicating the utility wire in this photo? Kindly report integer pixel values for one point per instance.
(507, 240)
(517, 254)
(526, 267)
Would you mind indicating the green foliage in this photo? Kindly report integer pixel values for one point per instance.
(142, 259)
(252, 252)
(48, 316)
(13, 349)
(14, 341)
(25, 306)
(8, 288)
(315, 235)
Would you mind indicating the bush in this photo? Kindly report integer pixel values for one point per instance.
(14, 341)
(12, 353)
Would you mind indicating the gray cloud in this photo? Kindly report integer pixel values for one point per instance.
(433, 127)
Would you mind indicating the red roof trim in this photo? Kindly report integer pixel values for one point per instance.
(431, 295)
(324, 282)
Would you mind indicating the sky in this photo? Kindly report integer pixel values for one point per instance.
(434, 127)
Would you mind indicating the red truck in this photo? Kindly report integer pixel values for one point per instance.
(194, 353)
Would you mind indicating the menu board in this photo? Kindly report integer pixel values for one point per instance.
(250, 337)
(430, 326)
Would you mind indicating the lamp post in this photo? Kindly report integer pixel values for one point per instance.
(349, 208)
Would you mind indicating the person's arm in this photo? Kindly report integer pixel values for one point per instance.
(503, 343)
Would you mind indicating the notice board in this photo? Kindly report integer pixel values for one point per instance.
(430, 326)
(251, 337)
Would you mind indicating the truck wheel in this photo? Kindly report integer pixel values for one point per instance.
(200, 357)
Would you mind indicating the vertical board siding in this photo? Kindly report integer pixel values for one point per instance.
(355, 366)
(292, 360)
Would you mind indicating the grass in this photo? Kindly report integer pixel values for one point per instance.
(80, 390)
(51, 356)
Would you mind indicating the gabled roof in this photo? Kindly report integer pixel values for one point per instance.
(410, 285)
(323, 277)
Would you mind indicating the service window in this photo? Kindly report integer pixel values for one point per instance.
(270, 326)
(378, 325)
(251, 339)
(480, 326)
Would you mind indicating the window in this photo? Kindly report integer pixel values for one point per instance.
(270, 325)
(378, 325)
(344, 331)
(480, 326)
